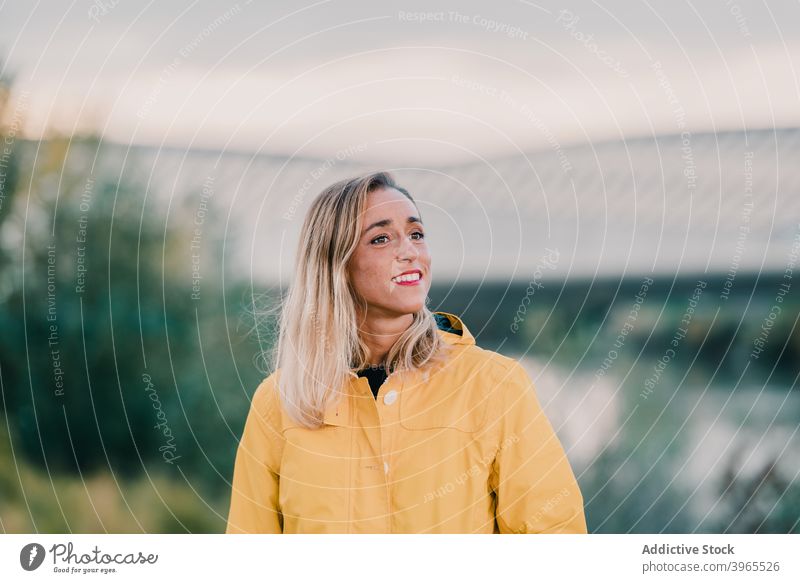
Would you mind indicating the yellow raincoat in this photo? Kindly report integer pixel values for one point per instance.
(467, 450)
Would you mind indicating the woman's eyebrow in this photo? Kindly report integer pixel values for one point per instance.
(387, 222)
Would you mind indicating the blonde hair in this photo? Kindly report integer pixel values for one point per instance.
(318, 343)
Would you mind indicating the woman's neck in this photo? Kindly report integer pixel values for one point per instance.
(381, 333)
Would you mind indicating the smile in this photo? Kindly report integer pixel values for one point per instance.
(408, 278)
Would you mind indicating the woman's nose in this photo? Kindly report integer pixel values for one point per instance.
(407, 250)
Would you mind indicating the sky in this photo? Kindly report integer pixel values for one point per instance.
(405, 83)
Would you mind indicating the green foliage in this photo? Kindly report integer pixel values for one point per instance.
(113, 369)
(632, 485)
(153, 502)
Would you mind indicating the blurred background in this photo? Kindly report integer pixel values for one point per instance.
(611, 194)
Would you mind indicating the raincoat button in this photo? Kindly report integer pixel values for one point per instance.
(385, 467)
(390, 397)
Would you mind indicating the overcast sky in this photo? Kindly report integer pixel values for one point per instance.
(410, 83)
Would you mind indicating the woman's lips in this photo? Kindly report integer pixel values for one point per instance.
(412, 282)
(417, 282)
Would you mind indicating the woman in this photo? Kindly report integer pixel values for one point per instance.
(382, 417)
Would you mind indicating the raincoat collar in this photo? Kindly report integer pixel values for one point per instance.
(452, 329)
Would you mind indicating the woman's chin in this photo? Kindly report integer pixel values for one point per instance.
(409, 307)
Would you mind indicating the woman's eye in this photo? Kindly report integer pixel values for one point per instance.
(377, 240)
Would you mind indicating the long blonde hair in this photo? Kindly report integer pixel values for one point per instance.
(318, 344)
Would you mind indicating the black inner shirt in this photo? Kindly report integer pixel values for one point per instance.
(375, 375)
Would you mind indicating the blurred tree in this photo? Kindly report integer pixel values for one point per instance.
(112, 356)
(78, 322)
(767, 501)
(9, 127)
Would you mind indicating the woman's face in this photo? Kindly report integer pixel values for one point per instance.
(392, 243)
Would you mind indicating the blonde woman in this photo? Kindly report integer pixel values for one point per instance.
(381, 416)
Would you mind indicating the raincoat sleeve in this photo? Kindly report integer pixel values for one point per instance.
(254, 504)
(535, 488)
